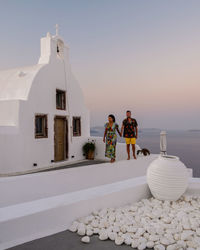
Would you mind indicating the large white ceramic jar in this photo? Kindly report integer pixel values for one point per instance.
(167, 178)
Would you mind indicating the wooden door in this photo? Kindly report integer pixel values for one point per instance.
(60, 138)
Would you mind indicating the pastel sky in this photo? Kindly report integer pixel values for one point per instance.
(140, 55)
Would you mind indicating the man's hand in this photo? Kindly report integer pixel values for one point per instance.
(136, 136)
(136, 132)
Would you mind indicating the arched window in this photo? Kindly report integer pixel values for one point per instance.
(60, 48)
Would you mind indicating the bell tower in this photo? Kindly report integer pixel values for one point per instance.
(53, 48)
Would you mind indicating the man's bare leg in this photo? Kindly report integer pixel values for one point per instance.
(128, 150)
(133, 148)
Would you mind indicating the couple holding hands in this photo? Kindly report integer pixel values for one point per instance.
(129, 130)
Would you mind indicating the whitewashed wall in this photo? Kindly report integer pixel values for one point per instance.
(19, 149)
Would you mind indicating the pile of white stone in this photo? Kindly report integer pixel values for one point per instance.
(149, 223)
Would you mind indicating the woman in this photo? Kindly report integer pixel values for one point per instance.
(110, 135)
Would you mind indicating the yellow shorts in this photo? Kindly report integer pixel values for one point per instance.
(130, 140)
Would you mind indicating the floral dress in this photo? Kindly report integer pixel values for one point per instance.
(111, 140)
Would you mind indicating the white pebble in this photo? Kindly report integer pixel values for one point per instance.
(149, 223)
(112, 235)
(165, 241)
(95, 223)
(85, 239)
(154, 238)
(89, 232)
(142, 246)
(198, 231)
(74, 226)
(140, 231)
(135, 243)
(123, 228)
(159, 247)
(81, 229)
(186, 234)
(103, 235)
(128, 241)
(173, 247)
(181, 243)
(119, 240)
(150, 244)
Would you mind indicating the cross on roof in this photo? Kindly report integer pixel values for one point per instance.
(57, 29)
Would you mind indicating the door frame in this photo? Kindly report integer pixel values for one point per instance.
(66, 139)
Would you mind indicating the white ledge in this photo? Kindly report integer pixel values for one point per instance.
(32, 207)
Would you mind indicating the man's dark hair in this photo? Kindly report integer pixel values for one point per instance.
(113, 117)
(128, 111)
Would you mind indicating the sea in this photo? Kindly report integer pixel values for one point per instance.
(182, 143)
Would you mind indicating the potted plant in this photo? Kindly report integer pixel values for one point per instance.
(88, 150)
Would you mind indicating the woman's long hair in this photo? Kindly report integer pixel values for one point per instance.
(113, 117)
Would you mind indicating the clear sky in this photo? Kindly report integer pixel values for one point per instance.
(140, 55)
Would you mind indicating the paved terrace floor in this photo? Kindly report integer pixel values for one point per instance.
(69, 241)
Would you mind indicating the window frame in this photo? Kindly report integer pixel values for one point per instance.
(44, 126)
(62, 92)
(78, 133)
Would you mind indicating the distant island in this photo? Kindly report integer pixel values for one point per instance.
(99, 130)
(194, 130)
(150, 129)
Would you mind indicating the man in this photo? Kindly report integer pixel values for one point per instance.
(130, 128)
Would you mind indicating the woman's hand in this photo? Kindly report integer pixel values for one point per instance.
(120, 134)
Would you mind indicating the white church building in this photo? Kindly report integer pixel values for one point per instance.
(43, 118)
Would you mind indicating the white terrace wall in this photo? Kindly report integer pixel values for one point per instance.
(39, 218)
(46, 184)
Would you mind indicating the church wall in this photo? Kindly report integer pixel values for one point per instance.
(21, 150)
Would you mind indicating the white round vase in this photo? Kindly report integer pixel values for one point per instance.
(167, 178)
